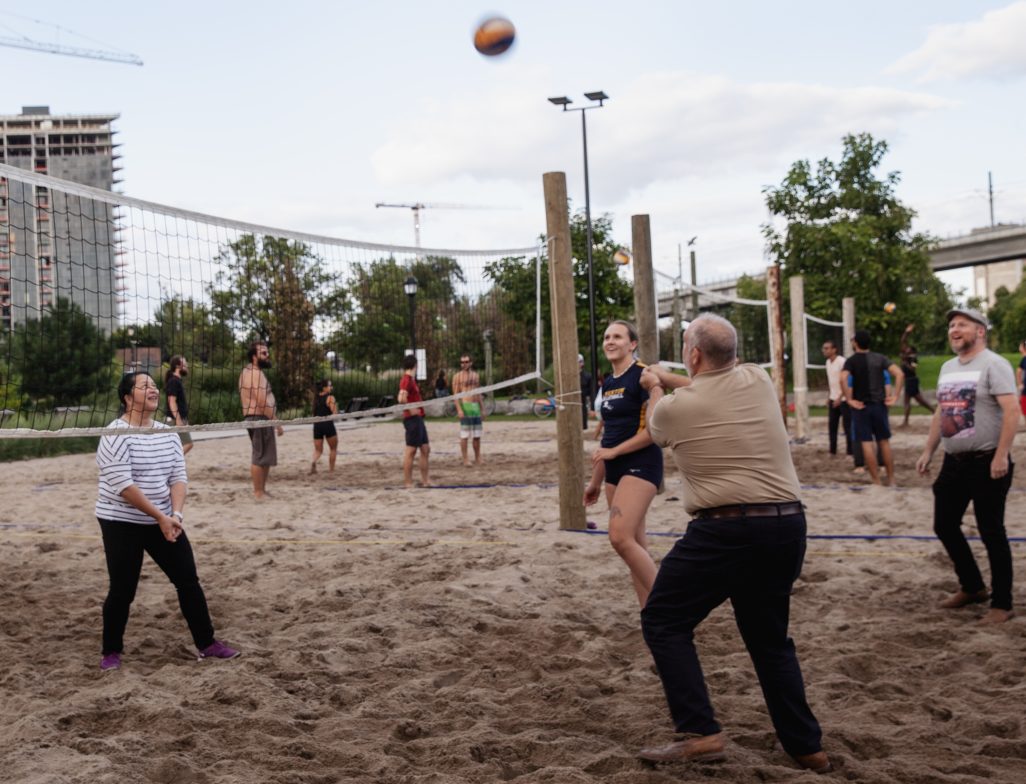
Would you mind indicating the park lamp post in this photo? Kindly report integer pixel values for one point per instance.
(410, 287)
(565, 102)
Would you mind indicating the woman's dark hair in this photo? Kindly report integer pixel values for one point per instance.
(125, 387)
(176, 362)
(321, 384)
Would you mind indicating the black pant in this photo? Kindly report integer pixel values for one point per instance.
(754, 563)
(961, 480)
(839, 415)
(124, 545)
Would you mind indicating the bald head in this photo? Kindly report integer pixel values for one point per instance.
(715, 337)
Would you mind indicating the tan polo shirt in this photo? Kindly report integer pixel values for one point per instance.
(728, 439)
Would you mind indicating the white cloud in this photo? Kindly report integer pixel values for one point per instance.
(666, 126)
(991, 47)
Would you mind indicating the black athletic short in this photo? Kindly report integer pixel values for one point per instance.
(646, 463)
(416, 432)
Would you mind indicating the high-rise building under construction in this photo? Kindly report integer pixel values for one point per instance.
(54, 244)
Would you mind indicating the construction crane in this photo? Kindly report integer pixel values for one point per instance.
(418, 206)
(24, 42)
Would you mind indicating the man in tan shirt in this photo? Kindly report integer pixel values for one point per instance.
(746, 543)
(258, 405)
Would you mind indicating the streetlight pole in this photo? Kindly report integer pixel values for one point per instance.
(410, 287)
(563, 101)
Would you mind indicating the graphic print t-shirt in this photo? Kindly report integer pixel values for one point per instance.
(970, 415)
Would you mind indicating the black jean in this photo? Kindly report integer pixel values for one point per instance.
(123, 546)
(839, 415)
(961, 480)
(753, 562)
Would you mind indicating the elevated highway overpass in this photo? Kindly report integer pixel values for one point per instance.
(979, 247)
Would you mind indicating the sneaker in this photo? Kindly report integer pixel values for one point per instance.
(110, 661)
(218, 650)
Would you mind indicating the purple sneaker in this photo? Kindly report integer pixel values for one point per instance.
(218, 650)
(110, 661)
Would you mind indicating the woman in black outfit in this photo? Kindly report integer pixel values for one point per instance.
(324, 405)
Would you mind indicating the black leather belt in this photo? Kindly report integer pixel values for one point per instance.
(967, 456)
(750, 510)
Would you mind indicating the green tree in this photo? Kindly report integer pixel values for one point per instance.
(376, 331)
(614, 296)
(849, 236)
(61, 358)
(187, 327)
(275, 290)
(1008, 317)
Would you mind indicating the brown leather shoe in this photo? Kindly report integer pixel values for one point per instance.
(961, 599)
(693, 748)
(817, 763)
(996, 615)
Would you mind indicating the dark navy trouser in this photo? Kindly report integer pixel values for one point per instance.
(753, 562)
(123, 546)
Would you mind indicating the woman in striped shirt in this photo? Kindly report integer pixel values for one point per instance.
(139, 505)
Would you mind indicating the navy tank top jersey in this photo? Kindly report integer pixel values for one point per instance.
(624, 405)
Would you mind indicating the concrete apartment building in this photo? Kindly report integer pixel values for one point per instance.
(51, 244)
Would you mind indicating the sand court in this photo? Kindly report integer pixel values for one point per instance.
(454, 634)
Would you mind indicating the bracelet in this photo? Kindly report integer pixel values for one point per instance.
(179, 515)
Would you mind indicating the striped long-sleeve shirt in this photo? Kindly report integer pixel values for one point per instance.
(150, 461)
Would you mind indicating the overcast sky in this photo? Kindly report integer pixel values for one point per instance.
(304, 114)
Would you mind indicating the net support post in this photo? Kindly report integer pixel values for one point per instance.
(848, 318)
(562, 304)
(776, 330)
(645, 305)
(799, 358)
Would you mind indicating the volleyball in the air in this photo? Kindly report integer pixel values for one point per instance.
(622, 256)
(889, 307)
(494, 36)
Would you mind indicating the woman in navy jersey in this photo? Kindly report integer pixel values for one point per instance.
(627, 461)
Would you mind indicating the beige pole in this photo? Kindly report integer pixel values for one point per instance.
(644, 290)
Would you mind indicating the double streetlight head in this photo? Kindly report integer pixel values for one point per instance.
(563, 101)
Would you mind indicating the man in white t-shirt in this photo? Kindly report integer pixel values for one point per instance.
(838, 411)
(976, 418)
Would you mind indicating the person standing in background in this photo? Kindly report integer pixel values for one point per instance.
(177, 406)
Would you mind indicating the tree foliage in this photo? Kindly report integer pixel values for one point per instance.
(61, 358)
(376, 331)
(849, 236)
(1008, 317)
(614, 296)
(274, 289)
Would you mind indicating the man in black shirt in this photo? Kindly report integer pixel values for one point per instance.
(868, 399)
(177, 408)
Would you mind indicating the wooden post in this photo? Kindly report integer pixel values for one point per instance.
(848, 317)
(777, 336)
(678, 314)
(645, 305)
(564, 354)
(799, 357)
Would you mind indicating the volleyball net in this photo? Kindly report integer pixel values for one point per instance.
(95, 284)
(817, 332)
(750, 318)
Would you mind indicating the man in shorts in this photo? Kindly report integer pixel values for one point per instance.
(468, 409)
(258, 405)
(869, 398)
(413, 422)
